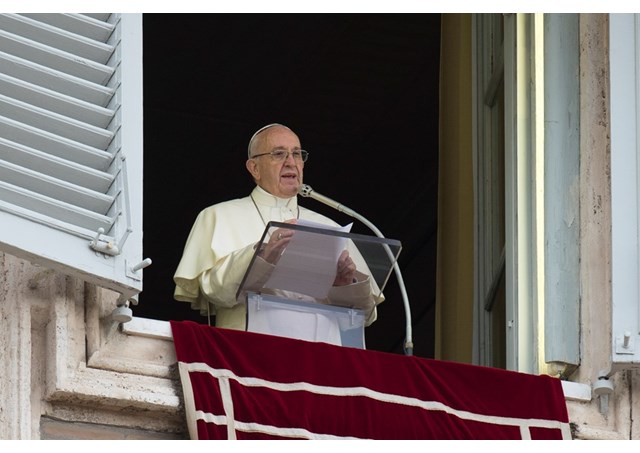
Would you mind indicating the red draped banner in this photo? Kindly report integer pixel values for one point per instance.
(244, 385)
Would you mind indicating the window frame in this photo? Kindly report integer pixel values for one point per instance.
(523, 192)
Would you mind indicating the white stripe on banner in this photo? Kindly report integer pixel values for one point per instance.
(221, 420)
(524, 424)
(227, 403)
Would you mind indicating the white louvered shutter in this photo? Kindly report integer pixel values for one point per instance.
(71, 144)
(624, 69)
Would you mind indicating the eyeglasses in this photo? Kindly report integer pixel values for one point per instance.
(280, 155)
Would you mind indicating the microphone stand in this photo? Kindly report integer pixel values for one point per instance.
(307, 191)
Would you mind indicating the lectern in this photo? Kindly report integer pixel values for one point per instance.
(291, 295)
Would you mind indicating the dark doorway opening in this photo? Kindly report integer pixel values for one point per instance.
(361, 91)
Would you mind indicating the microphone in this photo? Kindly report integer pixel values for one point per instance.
(306, 191)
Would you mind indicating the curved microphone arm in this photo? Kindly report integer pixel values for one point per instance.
(306, 191)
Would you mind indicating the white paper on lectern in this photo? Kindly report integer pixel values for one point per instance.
(308, 264)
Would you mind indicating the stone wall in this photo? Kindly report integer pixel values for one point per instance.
(69, 371)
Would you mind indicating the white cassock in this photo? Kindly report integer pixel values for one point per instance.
(221, 245)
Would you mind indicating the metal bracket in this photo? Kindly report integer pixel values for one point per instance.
(603, 389)
(110, 246)
(132, 271)
(352, 317)
(106, 247)
(625, 343)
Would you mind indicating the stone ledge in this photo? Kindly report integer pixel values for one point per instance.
(53, 429)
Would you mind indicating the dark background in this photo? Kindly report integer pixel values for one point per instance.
(360, 90)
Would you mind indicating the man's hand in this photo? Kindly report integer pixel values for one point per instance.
(278, 241)
(346, 272)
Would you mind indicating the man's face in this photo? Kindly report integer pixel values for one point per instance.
(283, 178)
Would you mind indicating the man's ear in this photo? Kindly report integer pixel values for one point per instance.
(252, 166)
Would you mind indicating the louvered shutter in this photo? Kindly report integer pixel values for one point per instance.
(624, 69)
(71, 144)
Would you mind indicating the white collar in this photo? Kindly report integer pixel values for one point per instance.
(264, 198)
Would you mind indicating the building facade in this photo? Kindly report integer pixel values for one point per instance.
(537, 267)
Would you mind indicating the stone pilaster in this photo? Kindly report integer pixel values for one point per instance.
(15, 351)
